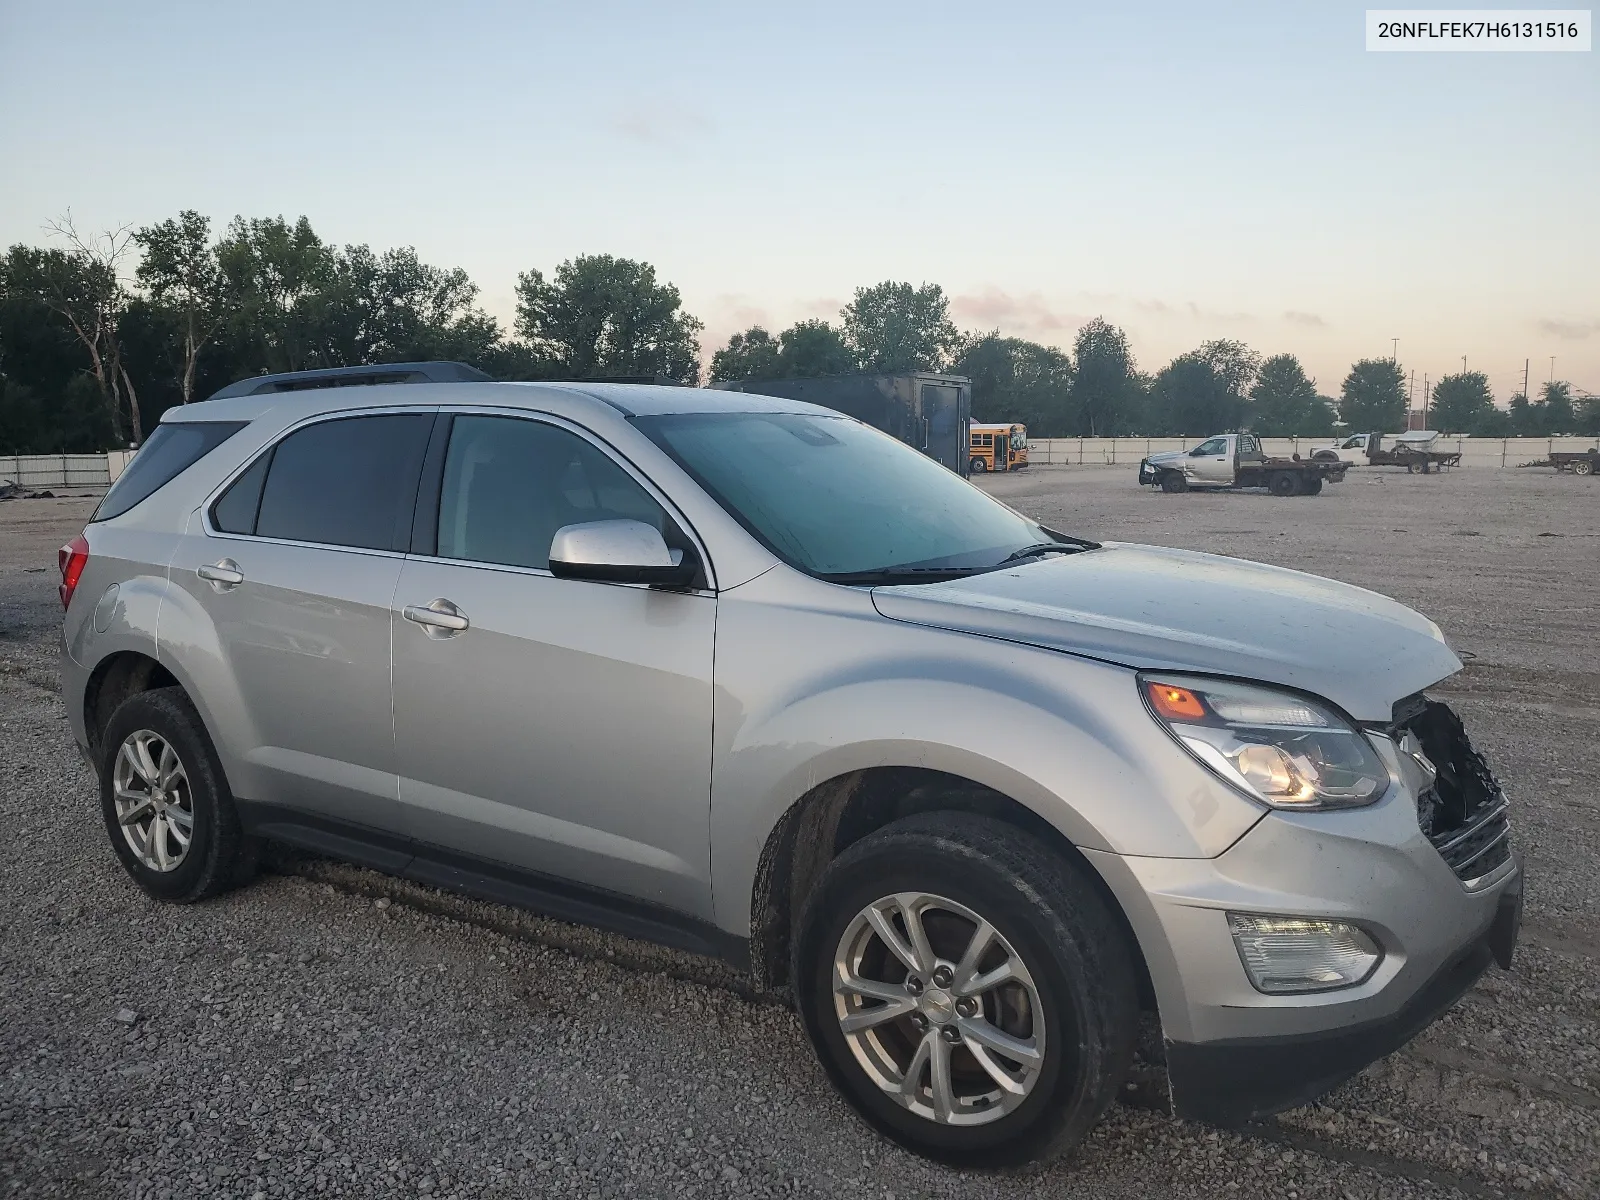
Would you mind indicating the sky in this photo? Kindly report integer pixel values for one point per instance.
(1186, 171)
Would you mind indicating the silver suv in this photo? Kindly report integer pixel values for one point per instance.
(748, 677)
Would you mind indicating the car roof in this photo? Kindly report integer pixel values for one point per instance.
(630, 399)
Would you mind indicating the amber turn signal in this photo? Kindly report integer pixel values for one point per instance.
(1174, 703)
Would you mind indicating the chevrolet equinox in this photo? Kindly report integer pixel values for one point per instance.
(751, 678)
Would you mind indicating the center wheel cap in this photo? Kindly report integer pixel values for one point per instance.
(937, 1006)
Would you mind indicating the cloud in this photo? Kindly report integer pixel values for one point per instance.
(1160, 308)
(1572, 331)
(994, 308)
(1309, 320)
(657, 122)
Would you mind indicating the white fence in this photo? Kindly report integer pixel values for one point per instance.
(101, 470)
(59, 470)
(1475, 452)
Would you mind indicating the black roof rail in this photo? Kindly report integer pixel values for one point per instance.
(374, 373)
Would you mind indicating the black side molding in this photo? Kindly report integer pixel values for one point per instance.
(496, 882)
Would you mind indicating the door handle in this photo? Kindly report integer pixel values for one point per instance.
(438, 618)
(223, 575)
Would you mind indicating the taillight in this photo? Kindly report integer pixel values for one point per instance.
(72, 559)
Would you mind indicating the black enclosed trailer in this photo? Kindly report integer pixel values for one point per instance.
(927, 411)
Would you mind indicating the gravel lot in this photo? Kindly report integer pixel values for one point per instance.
(331, 1032)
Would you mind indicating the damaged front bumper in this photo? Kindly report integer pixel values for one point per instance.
(1233, 1081)
(1428, 873)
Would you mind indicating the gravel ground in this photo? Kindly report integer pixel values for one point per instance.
(329, 1031)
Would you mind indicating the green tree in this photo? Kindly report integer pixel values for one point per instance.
(181, 273)
(1527, 420)
(278, 278)
(392, 307)
(896, 327)
(1459, 402)
(1018, 380)
(1491, 422)
(82, 286)
(1204, 391)
(1556, 398)
(1105, 389)
(1373, 398)
(600, 315)
(1285, 403)
(811, 349)
(752, 354)
(1587, 414)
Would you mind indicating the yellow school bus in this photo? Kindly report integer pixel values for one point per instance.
(1001, 447)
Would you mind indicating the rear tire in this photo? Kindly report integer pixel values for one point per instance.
(1312, 487)
(1283, 483)
(166, 803)
(1583, 466)
(1173, 481)
(978, 466)
(1070, 998)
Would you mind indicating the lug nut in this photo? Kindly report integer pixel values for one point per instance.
(966, 1007)
(950, 1033)
(942, 977)
(913, 985)
(919, 1022)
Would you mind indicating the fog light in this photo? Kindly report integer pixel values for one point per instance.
(1303, 954)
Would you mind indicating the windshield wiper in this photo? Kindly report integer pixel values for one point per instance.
(1045, 548)
(905, 575)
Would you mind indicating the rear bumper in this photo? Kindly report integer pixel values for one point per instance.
(1231, 1082)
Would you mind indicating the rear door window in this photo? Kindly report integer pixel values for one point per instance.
(351, 481)
(168, 452)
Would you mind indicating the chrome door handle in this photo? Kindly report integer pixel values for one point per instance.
(223, 575)
(438, 618)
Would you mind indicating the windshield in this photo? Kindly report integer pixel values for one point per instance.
(1019, 440)
(835, 497)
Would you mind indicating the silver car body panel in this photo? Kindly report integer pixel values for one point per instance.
(1156, 608)
(649, 742)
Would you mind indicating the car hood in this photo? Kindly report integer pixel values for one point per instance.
(1155, 608)
(1167, 458)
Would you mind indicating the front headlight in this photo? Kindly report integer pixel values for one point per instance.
(1279, 747)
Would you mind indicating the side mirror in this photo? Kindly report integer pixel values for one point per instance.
(618, 552)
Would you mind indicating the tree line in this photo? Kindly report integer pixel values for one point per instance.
(101, 333)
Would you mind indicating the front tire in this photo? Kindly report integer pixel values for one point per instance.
(978, 466)
(967, 990)
(166, 803)
(1583, 466)
(1173, 481)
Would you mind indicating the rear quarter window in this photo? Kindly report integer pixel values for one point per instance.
(167, 453)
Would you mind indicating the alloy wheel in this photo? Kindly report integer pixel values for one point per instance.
(155, 808)
(939, 1009)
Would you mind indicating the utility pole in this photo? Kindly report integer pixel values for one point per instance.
(1525, 395)
(1463, 364)
(1411, 397)
(1394, 352)
(1425, 395)
(1552, 368)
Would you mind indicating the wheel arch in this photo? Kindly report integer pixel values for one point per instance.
(119, 675)
(840, 811)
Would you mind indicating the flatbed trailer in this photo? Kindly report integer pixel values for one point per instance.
(1413, 451)
(1579, 462)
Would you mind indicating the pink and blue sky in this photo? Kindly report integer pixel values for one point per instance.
(1188, 171)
